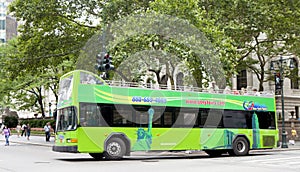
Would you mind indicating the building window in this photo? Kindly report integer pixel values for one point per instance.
(242, 79)
(294, 76)
(2, 24)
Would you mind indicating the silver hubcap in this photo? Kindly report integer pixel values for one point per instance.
(114, 148)
(240, 146)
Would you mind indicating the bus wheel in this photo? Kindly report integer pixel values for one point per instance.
(97, 156)
(240, 147)
(115, 148)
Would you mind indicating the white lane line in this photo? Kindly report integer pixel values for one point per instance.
(276, 159)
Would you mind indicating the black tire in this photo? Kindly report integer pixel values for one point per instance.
(97, 156)
(115, 148)
(240, 147)
(214, 153)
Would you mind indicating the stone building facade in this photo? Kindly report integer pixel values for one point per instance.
(291, 93)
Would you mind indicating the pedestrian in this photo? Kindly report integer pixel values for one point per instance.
(28, 131)
(47, 129)
(6, 133)
(294, 133)
(24, 130)
(18, 128)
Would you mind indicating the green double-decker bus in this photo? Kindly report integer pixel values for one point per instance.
(112, 119)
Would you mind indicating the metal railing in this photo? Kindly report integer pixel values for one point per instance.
(187, 88)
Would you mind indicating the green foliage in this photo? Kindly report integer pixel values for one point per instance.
(11, 121)
(55, 32)
(38, 123)
(46, 48)
(261, 29)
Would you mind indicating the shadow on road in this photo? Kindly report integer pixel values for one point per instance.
(157, 158)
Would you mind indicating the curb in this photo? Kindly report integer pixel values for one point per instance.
(50, 144)
(166, 153)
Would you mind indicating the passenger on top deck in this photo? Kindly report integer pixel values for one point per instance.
(213, 88)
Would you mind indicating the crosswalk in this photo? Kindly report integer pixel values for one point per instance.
(288, 162)
(274, 161)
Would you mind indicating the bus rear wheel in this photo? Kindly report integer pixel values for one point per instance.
(97, 156)
(115, 148)
(240, 147)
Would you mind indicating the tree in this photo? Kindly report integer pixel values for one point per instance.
(46, 49)
(54, 33)
(261, 30)
(151, 40)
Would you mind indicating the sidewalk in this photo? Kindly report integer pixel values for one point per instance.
(34, 140)
(41, 141)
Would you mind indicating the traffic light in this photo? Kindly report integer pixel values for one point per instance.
(278, 83)
(100, 65)
(104, 62)
(108, 62)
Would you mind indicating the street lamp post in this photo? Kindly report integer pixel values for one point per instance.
(281, 70)
(50, 109)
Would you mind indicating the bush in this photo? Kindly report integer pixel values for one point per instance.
(38, 123)
(11, 121)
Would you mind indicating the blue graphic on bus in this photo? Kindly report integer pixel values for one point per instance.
(228, 139)
(255, 129)
(250, 105)
(144, 139)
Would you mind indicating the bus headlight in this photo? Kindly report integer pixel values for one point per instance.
(71, 140)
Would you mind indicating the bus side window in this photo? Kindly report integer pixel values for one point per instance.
(202, 115)
(107, 114)
(266, 120)
(214, 119)
(167, 119)
(234, 119)
(248, 117)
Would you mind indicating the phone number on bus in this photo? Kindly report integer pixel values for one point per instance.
(149, 99)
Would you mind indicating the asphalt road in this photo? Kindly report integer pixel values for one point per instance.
(21, 156)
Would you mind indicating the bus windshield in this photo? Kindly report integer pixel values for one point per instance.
(65, 89)
(67, 119)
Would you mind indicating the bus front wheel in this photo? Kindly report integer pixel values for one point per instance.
(240, 147)
(115, 148)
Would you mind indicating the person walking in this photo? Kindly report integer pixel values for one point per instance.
(47, 129)
(18, 128)
(28, 131)
(24, 130)
(6, 133)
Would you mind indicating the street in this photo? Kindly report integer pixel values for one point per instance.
(19, 157)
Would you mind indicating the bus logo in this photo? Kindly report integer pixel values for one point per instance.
(251, 105)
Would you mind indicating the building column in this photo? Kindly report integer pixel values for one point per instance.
(234, 82)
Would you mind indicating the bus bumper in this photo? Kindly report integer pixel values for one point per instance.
(71, 149)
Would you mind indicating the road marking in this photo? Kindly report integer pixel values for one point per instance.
(276, 159)
(291, 162)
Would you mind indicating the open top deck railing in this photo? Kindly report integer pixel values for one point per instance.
(187, 88)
